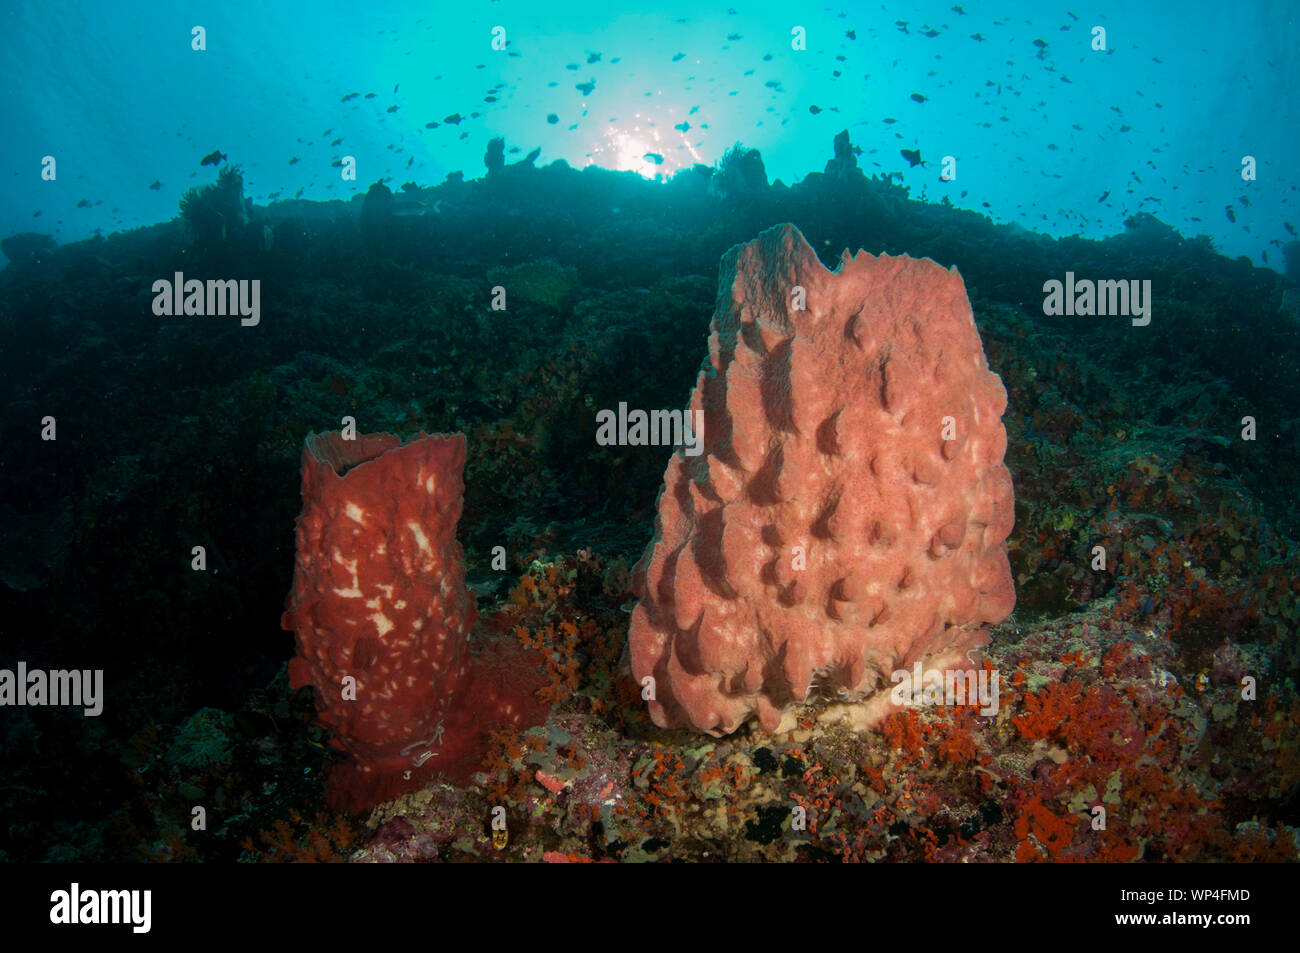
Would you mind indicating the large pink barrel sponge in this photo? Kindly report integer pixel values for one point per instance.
(850, 512)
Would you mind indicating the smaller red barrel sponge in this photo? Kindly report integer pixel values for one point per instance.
(383, 617)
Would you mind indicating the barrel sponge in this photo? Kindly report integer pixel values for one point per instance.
(383, 619)
(849, 515)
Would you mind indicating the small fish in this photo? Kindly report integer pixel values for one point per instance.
(1232, 216)
(851, 34)
(931, 33)
(1290, 228)
(682, 126)
(1104, 195)
(585, 88)
(1041, 44)
(391, 109)
(213, 158)
(432, 125)
(889, 120)
(349, 96)
(654, 157)
(677, 58)
(694, 110)
(486, 99)
(593, 58)
(156, 185)
(395, 85)
(733, 37)
(902, 26)
(85, 203)
(370, 95)
(918, 98)
(453, 120)
(293, 161)
(913, 156)
(814, 109)
(959, 11)
(977, 37)
(337, 141)
(552, 118)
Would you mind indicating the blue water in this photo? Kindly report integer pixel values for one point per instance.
(1160, 121)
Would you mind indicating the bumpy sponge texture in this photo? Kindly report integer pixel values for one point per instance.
(850, 513)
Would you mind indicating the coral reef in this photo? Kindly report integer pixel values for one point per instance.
(24, 247)
(1116, 439)
(377, 209)
(542, 283)
(843, 168)
(495, 156)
